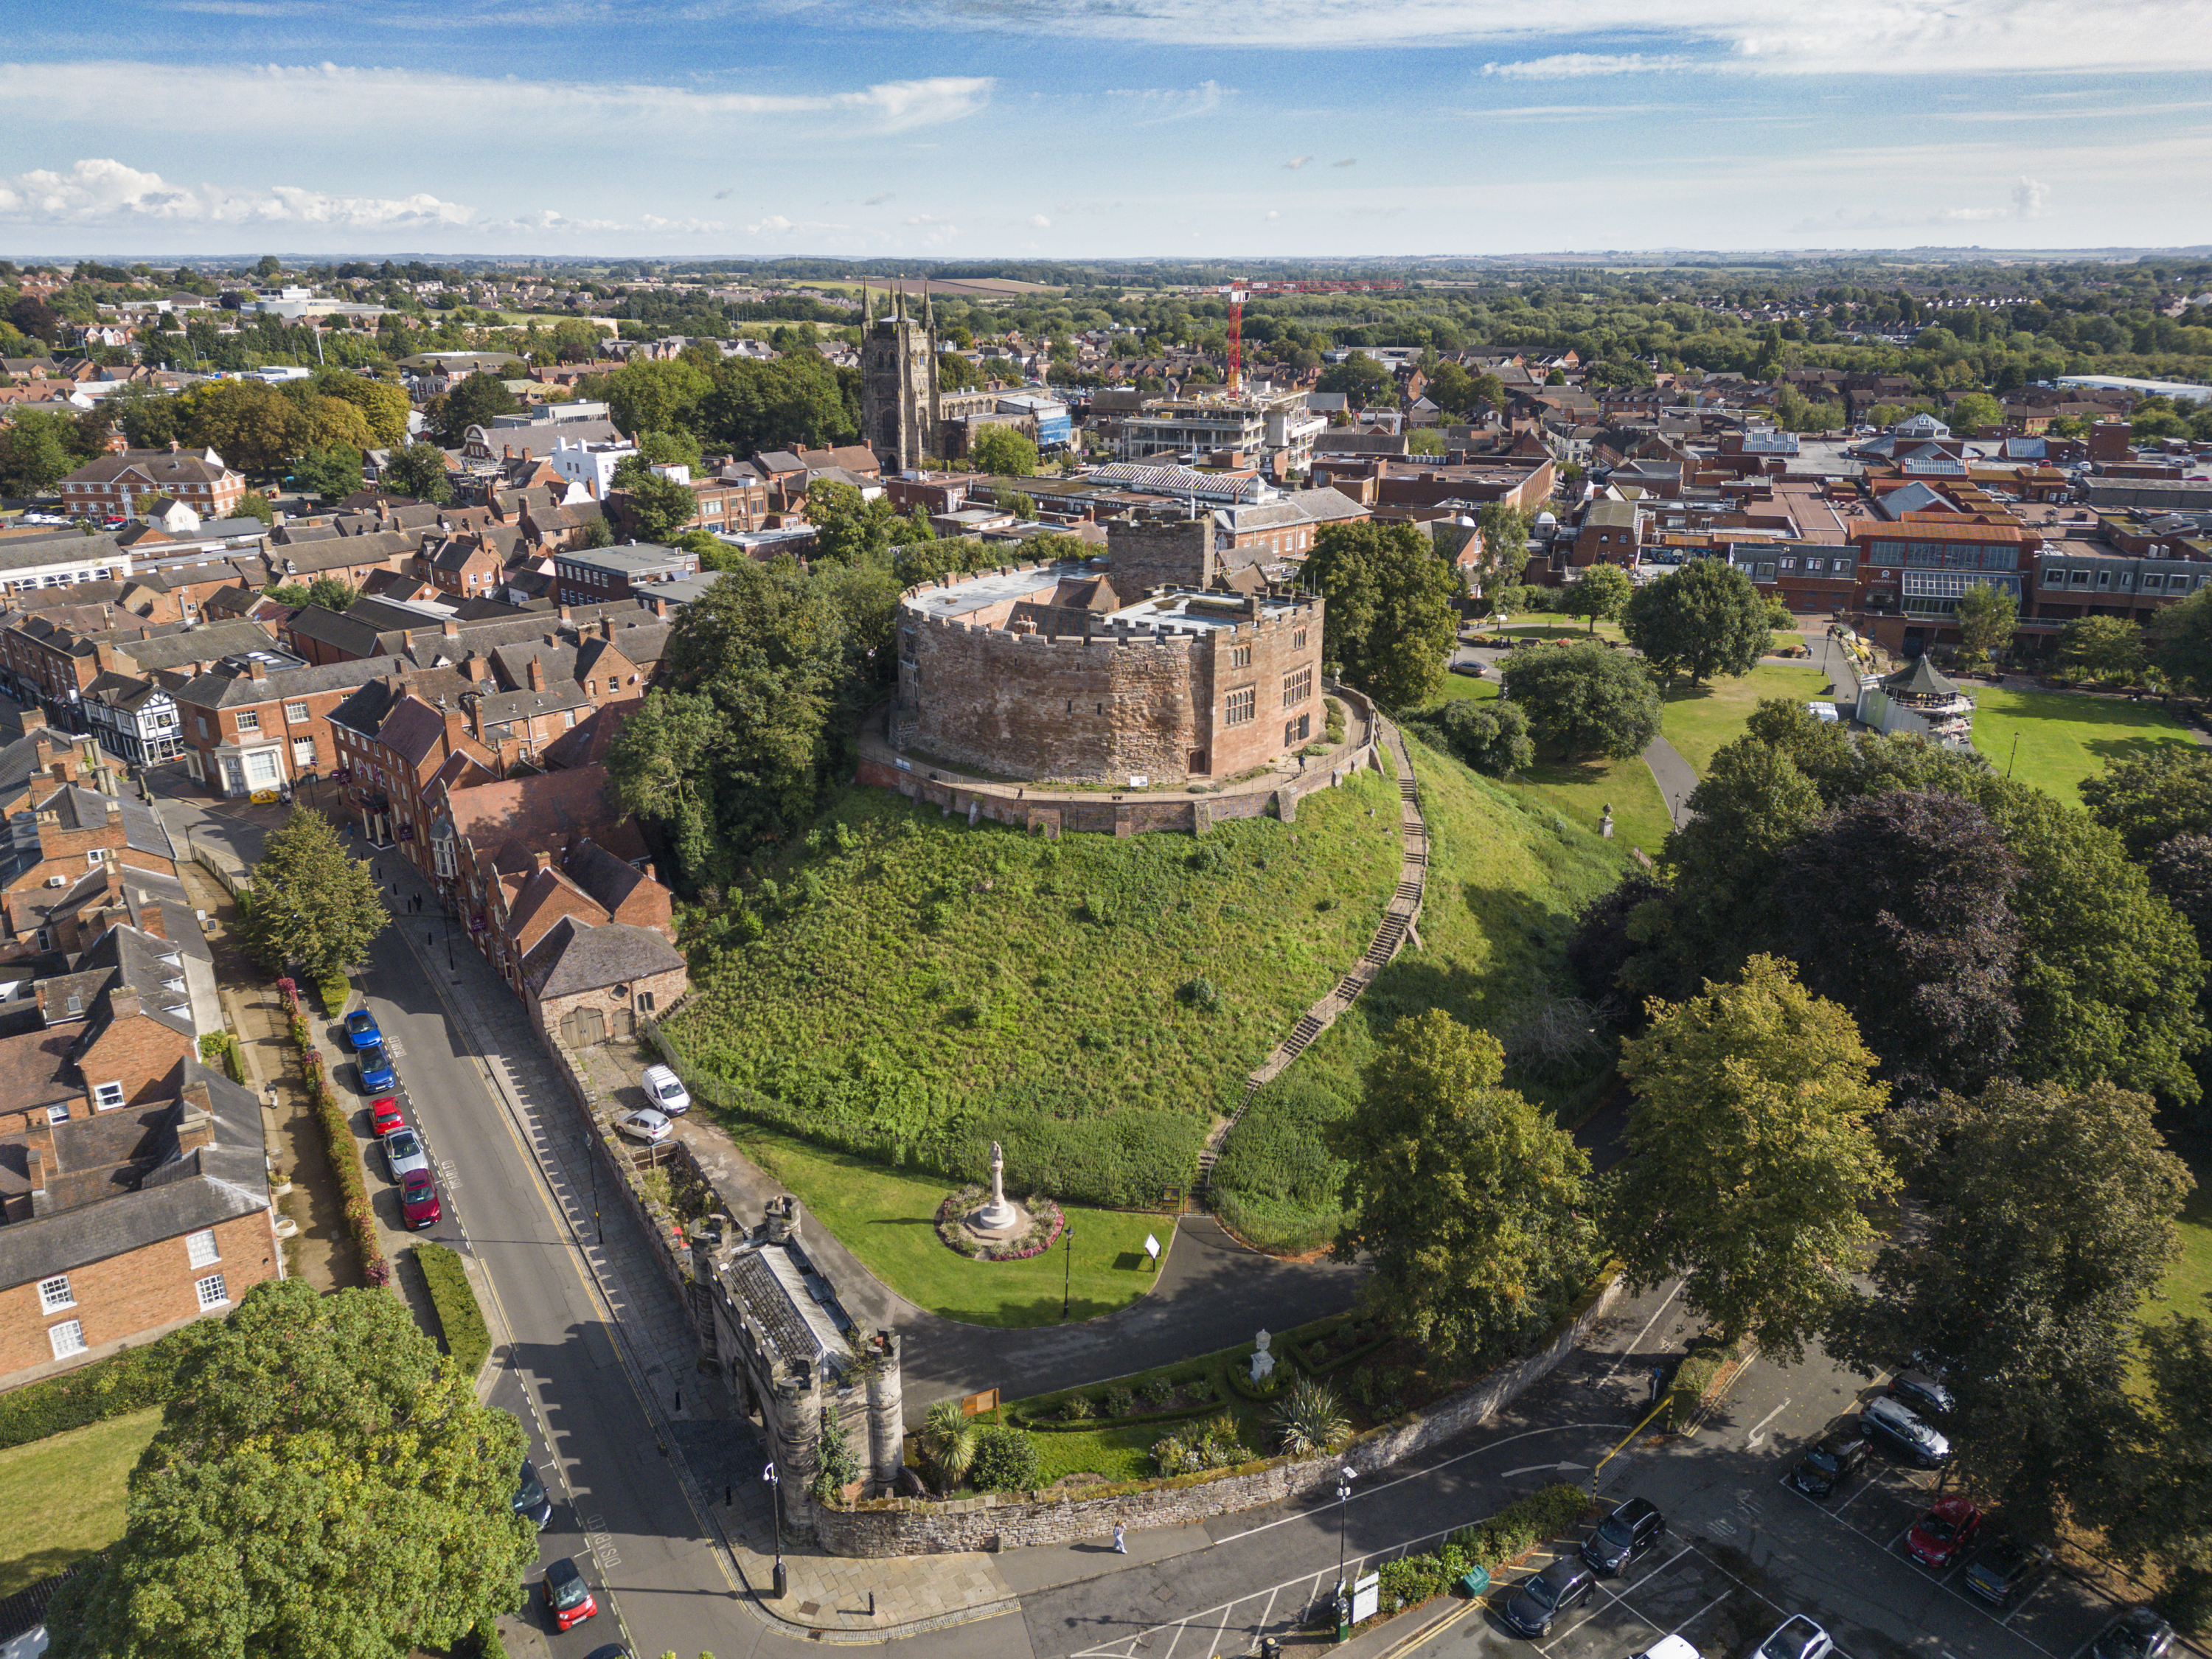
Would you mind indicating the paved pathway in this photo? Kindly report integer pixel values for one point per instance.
(1675, 777)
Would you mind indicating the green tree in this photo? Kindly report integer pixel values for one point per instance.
(417, 472)
(255, 505)
(1491, 737)
(655, 394)
(1602, 592)
(331, 593)
(1975, 410)
(657, 507)
(2149, 798)
(1390, 618)
(251, 424)
(333, 474)
(2156, 1500)
(2049, 1217)
(1361, 379)
(381, 405)
(1022, 506)
(676, 448)
(1585, 700)
(1502, 535)
(2108, 648)
(849, 527)
(1703, 619)
(1987, 615)
(793, 402)
(2181, 642)
(321, 1485)
(313, 904)
(35, 454)
(1471, 1202)
(268, 268)
(1003, 452)
(473, 400)
(1752, 1157)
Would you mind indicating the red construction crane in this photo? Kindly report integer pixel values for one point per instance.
(1240, 291)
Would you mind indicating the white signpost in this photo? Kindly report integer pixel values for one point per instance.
(1366, 1596)
(1152, 1249)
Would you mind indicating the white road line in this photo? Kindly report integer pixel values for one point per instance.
(1262, 1628)
(1179, 1630)
(1641, 1335)
(1760, 1427)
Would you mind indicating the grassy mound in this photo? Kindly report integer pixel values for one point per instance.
(907, 988)
(1506, 875)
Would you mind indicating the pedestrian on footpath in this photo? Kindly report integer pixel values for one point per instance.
(1121, 1541)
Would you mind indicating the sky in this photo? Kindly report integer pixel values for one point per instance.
(1003, 128)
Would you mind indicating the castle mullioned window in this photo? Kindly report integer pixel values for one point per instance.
(1243, 703)
(1297, 687)
(1240, 656)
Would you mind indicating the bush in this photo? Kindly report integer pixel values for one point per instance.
(220, 1049)
(1491, 737)
(1517, 1528)
(129, 1381)
(1121, 1400)
(1277, 1183)
(1201, 993)
(1006, 1461)
(334, 992)
(483, 1642)
(459, 1315)
(1310, 1421)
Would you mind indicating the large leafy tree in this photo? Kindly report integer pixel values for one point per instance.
(2156, 1498)
(653, 394)
(1753, 1158)
(333, 474)
(1601, 593)
(1702, 620)
(1003, 452)
(1584, 699)
(2181, 642)
(34, 453)
(1986, 615)
(1389, 620)
(2049, 1215)
(417, 470)
(383, 405)
(657, 507)
(313, 904)
(2150, 798)
(793, 402)
(322, 1486)
(470, 401)
(1471, 1201)
(847, 525)
(2103, 647)
(251, 424)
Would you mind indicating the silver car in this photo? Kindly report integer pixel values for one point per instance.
(402, 1151)
(644, 1124)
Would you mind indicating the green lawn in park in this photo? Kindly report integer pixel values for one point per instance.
(2063, 738)
(65, 1496)
(1702, 721)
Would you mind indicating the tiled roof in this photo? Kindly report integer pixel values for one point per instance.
(574, 955)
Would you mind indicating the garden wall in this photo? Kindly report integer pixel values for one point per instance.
(905, 1526)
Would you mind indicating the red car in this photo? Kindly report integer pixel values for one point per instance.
(1937, 1537)
(568, 1597)
(418, 1199)
(383, 1116)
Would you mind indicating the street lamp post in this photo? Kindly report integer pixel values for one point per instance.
(1066, 1273)
(1343, 1497)
(775, 1507)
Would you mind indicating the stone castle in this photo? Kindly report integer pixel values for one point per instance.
(1146, 672)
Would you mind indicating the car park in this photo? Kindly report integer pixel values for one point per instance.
(1542, 1597)
(374, 1064)
(361, 1028)
(1924, 1393)
(1938, 1536)
(383, 1116)
(1826, 1465)
(1797, 1638)
(402, 1151)
(568, 1597)
(1624, 1537)
(664, 1092)
(531, 1498)
(645, 1125)
(2000, 1571)
(1897, 1427)
(2138, 1633)
(418, 1200)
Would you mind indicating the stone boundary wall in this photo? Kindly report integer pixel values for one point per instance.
(905, 1526)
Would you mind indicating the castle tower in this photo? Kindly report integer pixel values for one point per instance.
(898, 386)
(886, 1416)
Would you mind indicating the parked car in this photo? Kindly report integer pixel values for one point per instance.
(418, 1199)
(644, 1124)
(664, 1092)
(361, 1028)
(1475, 670)
(374, 1065)
(1542, 1597)
(1937, 1537)
(2138, 1633)
(530, 1499)
(1924, 1393)
(402, 1151)
(568, 1597)
(1998, 1573)
(1899, 1429)
(1624, 1535)
(1828, 1464)
(613, 1650)
(383, 1116)
(1798, 1637)
(1667, 1647)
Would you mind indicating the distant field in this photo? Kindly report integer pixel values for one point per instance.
(2063, 738)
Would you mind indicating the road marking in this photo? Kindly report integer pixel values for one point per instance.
(1641, 1335)
(1759, 1428)
(1542, 1469)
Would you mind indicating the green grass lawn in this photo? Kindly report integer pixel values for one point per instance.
(1700, 722)
(2189, 1281)
(65, 1496)
(886, 1218)
(2063, 737)
(1547, 628)
(1583, 789)
(1467, 688)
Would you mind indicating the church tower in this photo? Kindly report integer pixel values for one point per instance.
(899, 399)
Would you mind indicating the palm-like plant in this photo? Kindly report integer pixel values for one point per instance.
(1310, 1421)
(948, 1443)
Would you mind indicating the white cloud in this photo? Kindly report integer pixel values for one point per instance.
(2030, 196)
(1576, 65)
(724, 195)
(102, 192)
(1898, 37)
(1040, 221)
(1274, 214)
(1175, 103)
(879, 198)
(1348, 161)
(1296, 161)
(775, 224)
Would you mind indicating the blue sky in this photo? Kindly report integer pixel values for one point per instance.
(1073, 128)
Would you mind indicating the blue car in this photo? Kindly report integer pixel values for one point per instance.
(376, 1071)
(361, 1028)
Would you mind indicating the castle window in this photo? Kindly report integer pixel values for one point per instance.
(1243, 703)
(1298, 640)
(1240, 656)
(1297, 688)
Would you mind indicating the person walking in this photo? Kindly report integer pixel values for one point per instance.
(1120, 1540)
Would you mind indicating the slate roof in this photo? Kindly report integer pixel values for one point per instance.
(167, 470)
(574, 955)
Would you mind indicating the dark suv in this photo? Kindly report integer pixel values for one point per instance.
(1826, 1466)
(1625, 1534)
(1537, 1600)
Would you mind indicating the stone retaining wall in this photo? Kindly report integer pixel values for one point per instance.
(912, 1526)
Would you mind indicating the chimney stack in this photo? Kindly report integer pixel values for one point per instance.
(536, 675)
(257, 669)
(450, 629)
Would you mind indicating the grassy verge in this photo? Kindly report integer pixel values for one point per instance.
(2063, 739)
(2189, 1281)
(129, 1381)
(65, 1496)
(885, 1216)
(467, 1339)
(1465, 686)
(1700, 722)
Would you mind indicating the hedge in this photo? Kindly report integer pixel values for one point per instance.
(459, 1315)
(129, 1381)
(335, 992)
(220, 1049)
(1514, 1530)
(338, 1141)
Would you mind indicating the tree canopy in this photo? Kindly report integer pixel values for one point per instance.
(1602, 592)
(470, 401)
(1003, 452)
(313, 904)
(1388, 620)
(1584, 699)
(418, 470)
(1702, 620)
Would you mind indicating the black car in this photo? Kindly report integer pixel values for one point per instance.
(1921, 1391)
(1999, 1571)
(1625, 1534)
(1829, 1464)
(529, 1497)
(613, 1650)
(2139, 1633)
(1538, 1600)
